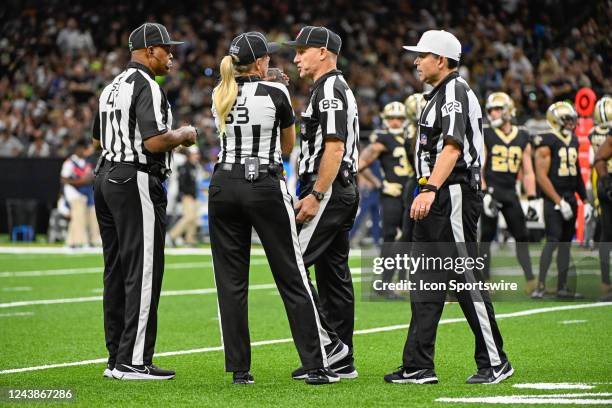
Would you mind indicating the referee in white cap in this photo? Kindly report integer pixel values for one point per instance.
(446, 211)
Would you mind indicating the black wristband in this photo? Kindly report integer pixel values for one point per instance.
(429, 187)
(531, 198)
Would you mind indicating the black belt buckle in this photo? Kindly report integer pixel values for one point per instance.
(474, 182)
(251, 168)
(345, 176)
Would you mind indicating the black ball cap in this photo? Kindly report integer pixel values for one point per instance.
(150, 34)
(311, 36)
(247, 47)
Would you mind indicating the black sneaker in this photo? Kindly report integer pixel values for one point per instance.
(321, 376)
(141, 372)
(108, 371)
(243, 377)
(568, 294)
(335, 352)
(492, 375)
(344, 368)
(412, 376)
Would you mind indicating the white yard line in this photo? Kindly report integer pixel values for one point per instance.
(99, 269)
(92, 251)
(17, 314)
(84, 299)
(564, 399)
(288, 340)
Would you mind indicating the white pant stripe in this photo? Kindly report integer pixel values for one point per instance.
(323, 336)
(309, 228)
(481, 312)
(148, 241)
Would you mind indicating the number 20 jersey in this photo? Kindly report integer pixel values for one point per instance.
(504, 156)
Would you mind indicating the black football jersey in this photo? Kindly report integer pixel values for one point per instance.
(504, 156)
(564, 172)
(394, 161)
(598, 136)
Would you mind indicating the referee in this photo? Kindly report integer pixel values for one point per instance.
(134, 130)
(448, 160)
(247, 190)
(329, 197)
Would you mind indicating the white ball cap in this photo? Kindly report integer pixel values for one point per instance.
(438, 42)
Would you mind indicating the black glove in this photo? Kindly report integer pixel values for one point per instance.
(604, 188)
(532, 214)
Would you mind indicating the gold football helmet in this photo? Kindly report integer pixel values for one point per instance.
(602, 115)
(562, 117)
(500, 100)
(394, 110)
(415, 104)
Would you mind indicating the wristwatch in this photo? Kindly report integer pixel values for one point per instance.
(318, 195)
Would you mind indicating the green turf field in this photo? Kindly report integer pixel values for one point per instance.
(557, 343)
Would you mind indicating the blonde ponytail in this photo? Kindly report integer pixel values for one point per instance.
(226, 92)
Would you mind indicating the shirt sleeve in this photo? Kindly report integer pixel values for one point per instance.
(332, 109)
(151, 111)
(95, 127)
(455, 114)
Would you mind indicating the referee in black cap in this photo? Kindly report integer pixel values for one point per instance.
(134, 130)
(247, 190)
(446, 211)
(328, 193)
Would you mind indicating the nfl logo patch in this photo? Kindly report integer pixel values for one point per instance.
(423, 139)
(302, 128)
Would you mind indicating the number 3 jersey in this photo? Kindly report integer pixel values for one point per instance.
(262, 109)
(564, 171)
(394, 161)
(504, 156)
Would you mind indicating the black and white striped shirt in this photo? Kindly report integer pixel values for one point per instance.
(331, 112)
(132, 109)
(253, 125)
(452, 111)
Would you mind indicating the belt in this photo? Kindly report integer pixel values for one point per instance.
(272, 168)
(308, 178)
(154, 169)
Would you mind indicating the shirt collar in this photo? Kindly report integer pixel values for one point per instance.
(247, 78)
(138, 65)
(325, 76)
(450, 76)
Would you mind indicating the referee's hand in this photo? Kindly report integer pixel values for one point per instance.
(189, 134)
(421, 205)
(307, 208)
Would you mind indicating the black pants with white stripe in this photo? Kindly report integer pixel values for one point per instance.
(235, 206)
(131, 212)
(449, 230)
(325, 244)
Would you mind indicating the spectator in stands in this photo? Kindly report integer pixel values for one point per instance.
(10, 146)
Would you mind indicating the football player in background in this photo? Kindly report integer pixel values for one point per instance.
(507, 152)
(388, 146)
(415, 104)
(558, 175)
(601, 141)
